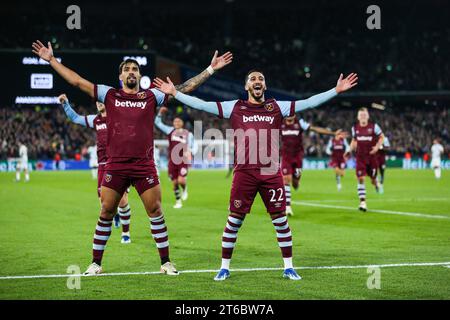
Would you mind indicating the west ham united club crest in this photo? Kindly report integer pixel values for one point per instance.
(108, 177)
(141, 95)
(269, 107)
(237, 203)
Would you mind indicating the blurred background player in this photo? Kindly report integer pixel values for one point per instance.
(367, 139)
(98, 123)
(381, 154)
(22, 164)
(93, 160)
(436, 151)
(336, 148)
(252, 176)
(292, 153)
(181, 147)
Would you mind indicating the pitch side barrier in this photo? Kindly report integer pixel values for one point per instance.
(308, 164)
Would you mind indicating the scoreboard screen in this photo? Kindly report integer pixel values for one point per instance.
(27, 79)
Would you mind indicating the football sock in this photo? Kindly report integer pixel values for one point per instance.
(17, 175)
(284, 236)
(288, 263)
(176, 190)
(27, 176)
(362, 191)
(229, 237)
(225, 264)
(287, 190)
(159, 233)
(381, 175)
(125, 215)
(338, 179)
(101, 236)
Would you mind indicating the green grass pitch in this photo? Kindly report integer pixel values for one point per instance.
(48, 224)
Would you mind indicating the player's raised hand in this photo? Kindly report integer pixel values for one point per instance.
(166, 87)
(42, 51)
(218, 63)
(62, 98)
(346, 84)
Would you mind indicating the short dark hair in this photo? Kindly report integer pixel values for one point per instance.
(251, 71)
(129, 60)
(363, 109)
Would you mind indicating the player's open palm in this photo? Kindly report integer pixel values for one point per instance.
(166, 87)
(42, 51)
(346, 84)
(220, 62)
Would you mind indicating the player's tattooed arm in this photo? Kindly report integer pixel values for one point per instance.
(217, 63)
(325, 131)
(46, 53)
(193, 83)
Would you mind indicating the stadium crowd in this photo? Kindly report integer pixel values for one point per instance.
(292, 55)
(46, 131)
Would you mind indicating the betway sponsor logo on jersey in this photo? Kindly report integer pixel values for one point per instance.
(178, 139)
(130, 104)
(258, 118)
(100, 126)
(364, 138)
(290, 132)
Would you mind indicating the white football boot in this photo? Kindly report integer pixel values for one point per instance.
(169, 269)
(178, 204)
(363, 206)
(93, 270)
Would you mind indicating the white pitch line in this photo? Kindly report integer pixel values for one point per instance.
(384, 200)
(402, 213)
(413, 264)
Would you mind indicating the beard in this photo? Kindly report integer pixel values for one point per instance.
(257, 95)
(131, 84)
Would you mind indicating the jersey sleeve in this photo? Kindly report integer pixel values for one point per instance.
(192, 143)
(386, 142)
(161, 126)
(89, 119)
(328, 148)
(377, 129)
(288, 108)
(353, 132)
(161, 98)
(85, 121)
(225, 108)
(100, 92)
(304, 124)
(347, 146)
(221, 109)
